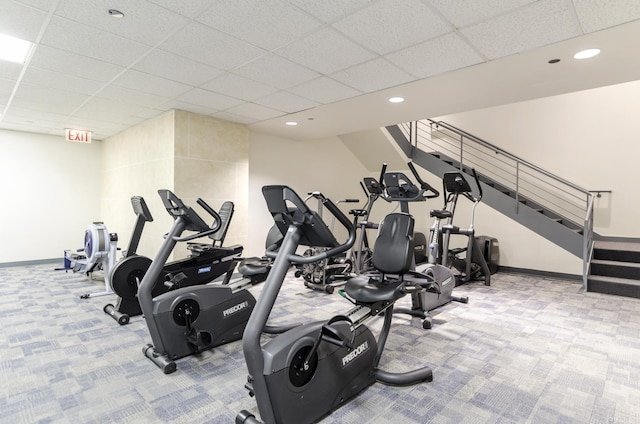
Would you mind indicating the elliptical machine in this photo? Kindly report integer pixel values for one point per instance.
(190, 319)
(326, 274)
(473, 266)
(307, 372)
(207, 262)
(358, 260)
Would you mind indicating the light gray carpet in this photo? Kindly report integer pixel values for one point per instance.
(527, 349)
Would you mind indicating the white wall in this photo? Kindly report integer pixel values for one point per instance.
(50, 195)
(589, 138)
(323, 165)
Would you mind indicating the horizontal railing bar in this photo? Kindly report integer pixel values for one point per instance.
(511, 156)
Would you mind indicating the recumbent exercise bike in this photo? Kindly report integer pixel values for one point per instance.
(206, 262)
(307, 372)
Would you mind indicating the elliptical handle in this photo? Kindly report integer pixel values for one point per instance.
(475, 176)
(382, 172)
(423, 184)
(217, 221)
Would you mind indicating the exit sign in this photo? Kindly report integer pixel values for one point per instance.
(78, 136)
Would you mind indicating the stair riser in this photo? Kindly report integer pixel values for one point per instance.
(616, 255)
(593, 285)
(619, 271)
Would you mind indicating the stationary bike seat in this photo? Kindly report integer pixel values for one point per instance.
(253, 266)
(369, 290)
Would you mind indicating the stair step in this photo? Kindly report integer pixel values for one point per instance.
(613, 285)
(612, 268)
(612, 252)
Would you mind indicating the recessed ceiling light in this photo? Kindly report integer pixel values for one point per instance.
(116, 13)
(291, 123)
(396, 99)
(14, 49)
(586, 54)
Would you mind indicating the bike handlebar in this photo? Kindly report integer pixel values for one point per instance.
(342, 219)
(178, 210)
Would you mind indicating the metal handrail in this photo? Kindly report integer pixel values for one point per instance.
(515, 158)
(525, 179)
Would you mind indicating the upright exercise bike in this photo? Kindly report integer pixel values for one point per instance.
(307, 372)
(190, 319)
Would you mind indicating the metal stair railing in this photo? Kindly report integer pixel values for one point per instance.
(525, 182)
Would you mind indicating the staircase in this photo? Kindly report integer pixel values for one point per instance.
(615, 268)
(558, 210)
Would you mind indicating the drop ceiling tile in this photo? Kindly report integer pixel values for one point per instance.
(25, 127)
(150, 84)
(44, 78)
(51, 106)
(267, 24)
(209, 99)
(239, 87)
(143, 22)
(324, 90)
(176, 68)
(10, 70)
(89, 124)
(539, 24)
(325, 51)
(276, 71)
(20, 21)
(20, 114)
(462, 13)
(209, 46)
(190, 9)
(87, 41)
(44, 5)
(234, 118)
(30, 117)
(371, 76)
(34, 93)
(598, 14)
(330, 10)
(131, 96)
(112, 110)
(254, 111)
(384, 27)
(286, 102)
(437, 56)
(54, 59)
(187, 107)
(6, 86)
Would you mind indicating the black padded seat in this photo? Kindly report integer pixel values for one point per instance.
(254, 266)
(364, 289)
(442, 214)
(200, 248)
(392, 255)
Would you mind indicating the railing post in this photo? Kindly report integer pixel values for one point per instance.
(461, 150)
(517, 187)
(412, 137)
